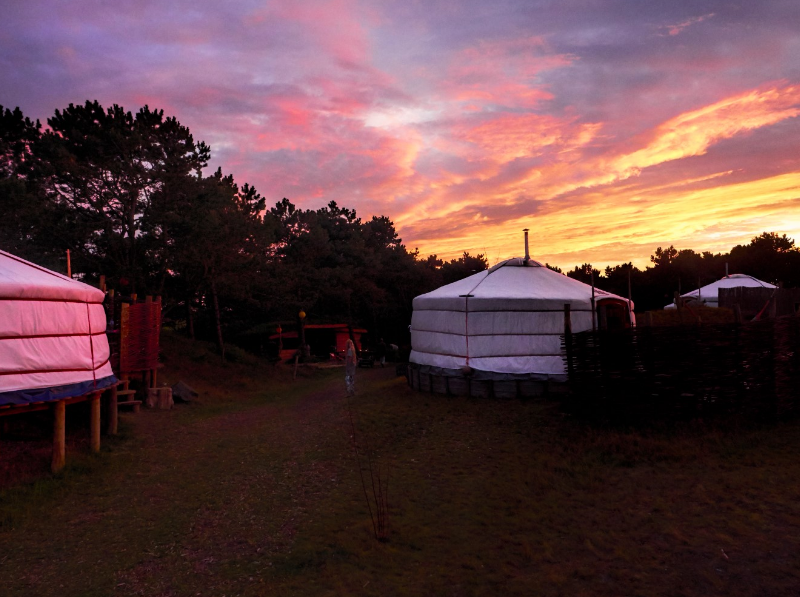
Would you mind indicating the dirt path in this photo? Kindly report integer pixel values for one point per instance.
(184, 503)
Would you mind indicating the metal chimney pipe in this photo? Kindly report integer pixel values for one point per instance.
(726, 269)
(527, 253)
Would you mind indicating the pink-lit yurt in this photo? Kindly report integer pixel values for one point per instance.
(52, 335)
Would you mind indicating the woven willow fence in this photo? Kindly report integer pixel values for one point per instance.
(748, 373)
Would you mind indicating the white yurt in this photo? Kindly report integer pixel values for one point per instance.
(708, 295)
(52, 335)
(499, 331)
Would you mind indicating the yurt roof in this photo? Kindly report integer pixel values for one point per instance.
(732, 281)
(20, 279)
(527, 285)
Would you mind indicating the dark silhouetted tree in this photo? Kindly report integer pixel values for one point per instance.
(462, 267)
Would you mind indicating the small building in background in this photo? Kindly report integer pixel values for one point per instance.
(323, 339)
(708, 295)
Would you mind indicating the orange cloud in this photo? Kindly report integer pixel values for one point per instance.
(511, 136)
(608, 228)
(583, 207)
(692, 133)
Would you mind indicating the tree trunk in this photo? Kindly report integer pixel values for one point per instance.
(217, 319)
(132, 245)
(190, 316)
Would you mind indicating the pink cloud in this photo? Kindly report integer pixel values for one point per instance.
(677, 29)
(501, 72)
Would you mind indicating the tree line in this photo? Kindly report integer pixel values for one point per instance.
(769, 256)
(128, 194)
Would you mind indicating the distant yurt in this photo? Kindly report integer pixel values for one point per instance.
(499, 331)
(52, 335)
(708, 295)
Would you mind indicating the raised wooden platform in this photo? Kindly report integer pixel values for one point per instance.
(58, 408)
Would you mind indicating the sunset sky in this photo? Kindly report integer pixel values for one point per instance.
(606, 127)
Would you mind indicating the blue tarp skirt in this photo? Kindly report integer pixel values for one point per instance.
(22, 397)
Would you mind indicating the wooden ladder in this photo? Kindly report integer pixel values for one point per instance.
(126, 396)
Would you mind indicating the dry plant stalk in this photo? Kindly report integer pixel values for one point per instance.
(379, 484)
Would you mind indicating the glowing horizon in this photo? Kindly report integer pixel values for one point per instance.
(607, 131)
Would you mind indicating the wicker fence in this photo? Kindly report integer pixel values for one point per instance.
(661, 375)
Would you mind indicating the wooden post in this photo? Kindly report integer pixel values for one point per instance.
(568, 337)
(112, 411)
(217, 320)
(737, 313)
(111, 308)
(59, 436)
(630, 300)
(301, 318)
(594, 320)
(69, 265)
(629, 284)
(649, 319)
(602, 320)
(94, 424)
(189, 318)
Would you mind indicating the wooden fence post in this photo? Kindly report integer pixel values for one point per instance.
(737, 313)
(568, 337)
(59, 436)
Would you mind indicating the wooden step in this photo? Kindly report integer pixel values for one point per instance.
(134, 403)
(126, 392)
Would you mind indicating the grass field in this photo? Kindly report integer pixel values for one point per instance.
(255, 491)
